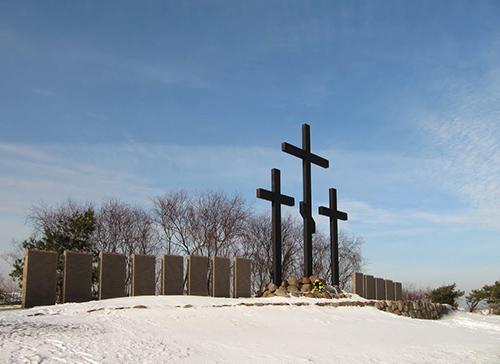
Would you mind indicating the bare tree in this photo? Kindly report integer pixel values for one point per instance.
(257, 246)
(175, 216)
(44, 218)
(8, 290)
(126, 229)
(220, 222)
(209, 224)
(413, 292)
(350, 257)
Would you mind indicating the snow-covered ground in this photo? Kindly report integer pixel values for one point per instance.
(188, 329)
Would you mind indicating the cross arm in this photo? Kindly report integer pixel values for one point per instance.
(325, 211)
(319, 161)
(293, 150)
(265, 194)
(305, 155)
(287, 200)
(271, 196)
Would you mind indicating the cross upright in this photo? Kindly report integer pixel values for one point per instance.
(277, 200)
(334, 216)
(306, 204)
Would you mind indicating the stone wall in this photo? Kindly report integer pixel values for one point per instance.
(413, 309)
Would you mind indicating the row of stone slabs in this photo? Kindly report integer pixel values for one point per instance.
(40, 277)
(373, 288)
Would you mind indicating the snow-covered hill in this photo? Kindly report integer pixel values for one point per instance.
(187, 329)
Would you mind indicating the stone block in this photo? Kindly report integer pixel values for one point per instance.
(172, 276)
(358, 284)
(39, 278)
(379, 289)
(112, 271)
(389, 290)
(398, 291)
(143, 275)
(242, 278)
(369, 287)
(197, 275)
(220, 277)
(77, 280)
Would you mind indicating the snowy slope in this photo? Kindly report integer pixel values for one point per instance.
(168, 332)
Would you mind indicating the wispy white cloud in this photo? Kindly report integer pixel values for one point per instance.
(464, 144)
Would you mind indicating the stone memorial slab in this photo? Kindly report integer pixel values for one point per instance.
(358, 284)
(242, 278)
(369, 287)
(220, 277)
(197, 275)
(77, 279)
(112, 270)
(172, 276)
(398, 291)
(379, 289)
(39, 278)
(389, 290)
(143, 275)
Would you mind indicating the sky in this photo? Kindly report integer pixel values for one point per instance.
(132, 99)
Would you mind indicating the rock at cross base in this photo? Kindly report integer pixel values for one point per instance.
(305, 288)
(293, 282)
(294, 291)
(313, 278)
(331, 289)
(272, 287)
(305, 280)
(281, 292)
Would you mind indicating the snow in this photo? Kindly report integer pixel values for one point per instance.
(188, 329)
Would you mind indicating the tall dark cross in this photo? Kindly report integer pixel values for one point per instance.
(306, 205)
(334, 215)
(277, 200)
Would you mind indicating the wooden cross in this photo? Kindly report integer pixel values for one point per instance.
(334, 215)
(277, 200)
(306, 205)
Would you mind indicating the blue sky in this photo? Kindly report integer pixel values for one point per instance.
(134, 98)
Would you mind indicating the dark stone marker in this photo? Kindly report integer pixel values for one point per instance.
(77, 281)
(369, 287)
(358, 284)
(398, 291)
(277, 200)
(242, 278)
(334, 216)
(197, 275)
(39, 278)
(389, 290)
(379, 289)
(172, 277)
(112, 270)
(306, 205)
(220, 277)
(143, 275)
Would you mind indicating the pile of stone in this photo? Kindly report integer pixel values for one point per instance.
(301, 288)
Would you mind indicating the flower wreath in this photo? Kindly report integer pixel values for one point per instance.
(318, 286)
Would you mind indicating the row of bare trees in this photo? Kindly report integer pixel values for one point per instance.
(208, 223)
